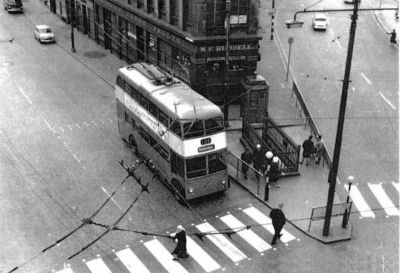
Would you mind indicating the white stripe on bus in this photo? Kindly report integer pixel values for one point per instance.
(266, 222)
(98, 266)
(201, 257)
(359, 201)
(248, 235)
(383, 199)
(222, 243)
(131, 261)
(164, 257)
(65, 270)
(397, 186)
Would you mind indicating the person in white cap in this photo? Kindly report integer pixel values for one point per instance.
(258, 158)
(180, 249)
(274, 173)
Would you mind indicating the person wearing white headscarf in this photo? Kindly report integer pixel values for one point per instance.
(180, 249)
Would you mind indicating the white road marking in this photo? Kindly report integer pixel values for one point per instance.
(222, 243)
(164, 257)
(65, 270)
(264, 220)
(248, 235)
(353, 89)
(48, 124)
(98, 266)
(366, 79)
(383, 199)
(359, 201)
(112, 199)
(201, 257)
(339, 45)
(131, 261)
(397, 186)
(387, 101)
(24, 94)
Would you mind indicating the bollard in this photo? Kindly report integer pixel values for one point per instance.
(266, 191)
(345, 218)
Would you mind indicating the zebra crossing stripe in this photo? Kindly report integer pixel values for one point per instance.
(65, 270)
(248, 235)
(359, 201)
(98, 266)
(131, 261)
(164, 257)
(200, 256)
(222, 243)
(266, 222)
(397, 186)
(383, 199)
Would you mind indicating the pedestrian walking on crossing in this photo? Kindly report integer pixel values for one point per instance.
(180, 249)
(308, 150)
(246, 157)
(393, 37)
(318, 149)
(278, 221)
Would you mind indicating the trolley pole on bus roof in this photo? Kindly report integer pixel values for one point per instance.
(226, 89)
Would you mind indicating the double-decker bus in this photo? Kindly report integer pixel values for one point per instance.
(178, 129)
(13, 6)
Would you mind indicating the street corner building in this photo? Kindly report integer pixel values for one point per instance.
(188, 38)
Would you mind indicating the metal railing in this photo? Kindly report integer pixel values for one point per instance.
(341, 209)
(272, 138)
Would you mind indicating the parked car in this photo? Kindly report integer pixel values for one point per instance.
(351, 1)
(44, 34)
(13, 6)
(319, 21)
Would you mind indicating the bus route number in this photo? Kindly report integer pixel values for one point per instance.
(205, 141)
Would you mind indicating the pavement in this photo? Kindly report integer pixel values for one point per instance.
(298, 193)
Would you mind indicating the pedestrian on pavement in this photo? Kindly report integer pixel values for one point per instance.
(180, 249)
(268, 161)
(319, 149)
(308, 150)
(246, 157)
(393, 36)
(258, 158)
(274, 172)
(278, 221)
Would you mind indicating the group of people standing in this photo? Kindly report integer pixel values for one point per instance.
(311, 149)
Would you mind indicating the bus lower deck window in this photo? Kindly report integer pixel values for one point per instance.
(196, 167)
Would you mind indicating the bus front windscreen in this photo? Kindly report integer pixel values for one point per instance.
(203, 165)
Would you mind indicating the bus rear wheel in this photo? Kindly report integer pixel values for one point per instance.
(132, 143)
(177, 193)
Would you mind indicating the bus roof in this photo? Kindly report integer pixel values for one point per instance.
(178, 100)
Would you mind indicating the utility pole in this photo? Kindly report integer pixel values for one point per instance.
(226, 90)
(338, 142)
(272, 19)
(72, 11)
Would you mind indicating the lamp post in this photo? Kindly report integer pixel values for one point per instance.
(272, 19)
(290, 41)
(350, 181)
(342, 110)
(226, 89)
(72, 9)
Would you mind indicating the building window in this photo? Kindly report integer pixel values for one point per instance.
(239, 11)
(216, 10)
(161, 9)
(139, 4)
(150, 6)
(174, 13)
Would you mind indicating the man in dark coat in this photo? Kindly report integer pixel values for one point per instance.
(258, 158)
(246, 157)
(308, 150)
(180, 249)
(278, 221)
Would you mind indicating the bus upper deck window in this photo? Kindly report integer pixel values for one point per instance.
(193, 129)
(214, 125)
(176, 128)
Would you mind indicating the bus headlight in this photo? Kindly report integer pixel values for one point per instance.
(190, 190)
(223, 182)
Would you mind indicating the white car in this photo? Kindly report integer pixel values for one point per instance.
(44, 34)
(319, 21)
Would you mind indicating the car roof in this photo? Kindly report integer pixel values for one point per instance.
(42, 26)
(320, 15)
